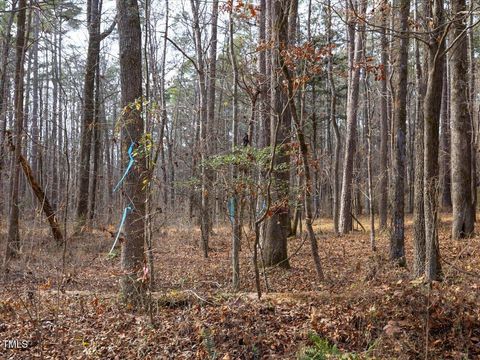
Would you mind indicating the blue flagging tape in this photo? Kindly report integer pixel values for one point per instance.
(129, 166)
(232, 204)
(127, 210)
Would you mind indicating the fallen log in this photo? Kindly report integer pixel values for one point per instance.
(39, 193)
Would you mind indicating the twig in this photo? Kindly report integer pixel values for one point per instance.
(199, 297)
(469, 273)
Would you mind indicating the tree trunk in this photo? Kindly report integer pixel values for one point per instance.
(445, 170)
(35, 115)
(133, 256)
(432, 104)
(397, 238)
(13, 239)
(55, 127)
(474, 110)
(345, 217)
(88, 116)
(333, 121)
(164, 109)
(307, 173)
(204, 210)
(368, 125)
(3, 102)
(418, 211)
(235, 206)
(96, 148)
(463, 214)
(264, 136)
(277, 226)
(211, 87)
(383, 200)
(60, 119)
(45, 122)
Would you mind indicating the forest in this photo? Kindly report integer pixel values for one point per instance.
(239, 179)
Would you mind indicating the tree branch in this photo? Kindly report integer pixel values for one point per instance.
(184, 54)
(108, 31)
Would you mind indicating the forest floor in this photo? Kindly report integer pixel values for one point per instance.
(366, 308)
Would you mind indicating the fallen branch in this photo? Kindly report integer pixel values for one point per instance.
(39, 193)
(358, 222)
(469, 273)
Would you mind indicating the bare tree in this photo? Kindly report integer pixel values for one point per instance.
(333, 120)
(13, 239)
(307, 172)
(463, 214)
(418, 211)
(133, 255)
(383, 200)
(235, 203)
(445, 158)
(431, 114)
(264, 107)
(202, 84)
(276, 227)
(345, 217)
(4, 96)
(397, 238)
(88, 118)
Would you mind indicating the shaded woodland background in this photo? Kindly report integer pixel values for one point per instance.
(259, 179)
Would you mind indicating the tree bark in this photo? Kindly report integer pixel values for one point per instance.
(204, 210)
(368, 125)
(235, 206)
(418, 211)
(55, 126)
(35, 112)
(211, 93)
(345, 217)
(96, 148)
(431, 113)
(88, 116)
(3, 101)
(400, 87)
(264, 108)
(277, 225)
(445, 158)
(13, 237)
(133, 256)
(383, 200)
(333, 121)
(463, 214)
(473, 107)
